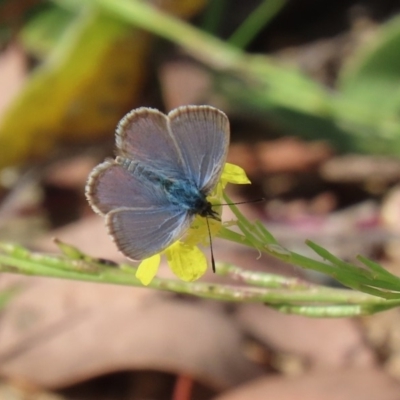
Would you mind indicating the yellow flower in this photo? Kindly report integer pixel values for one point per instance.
(184, 257)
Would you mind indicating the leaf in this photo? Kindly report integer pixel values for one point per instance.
(369, 87)
(258, 84)
(87, 330)
(347, 383)
(89, 81)
(372, 76)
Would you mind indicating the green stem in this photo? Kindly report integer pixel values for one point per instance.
(257, 20)
(213, 15)
(203, 45)
(272, 281)
(375, 280)
(254, 79)
(57, 267)
(283, 85)
(323, 311)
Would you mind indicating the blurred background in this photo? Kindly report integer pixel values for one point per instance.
(312, 91)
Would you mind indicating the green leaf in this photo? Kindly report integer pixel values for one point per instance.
(369, 85)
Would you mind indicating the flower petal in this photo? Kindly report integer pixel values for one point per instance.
(186, 262)
(147, 269)
(199, 232)
(234, 174)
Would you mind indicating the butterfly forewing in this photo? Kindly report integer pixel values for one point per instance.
(202, 136)
(143, 136)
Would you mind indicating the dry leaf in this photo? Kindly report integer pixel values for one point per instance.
(347, 384)
(56, 333)
(322, 342)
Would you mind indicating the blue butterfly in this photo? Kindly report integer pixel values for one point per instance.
(165, 168)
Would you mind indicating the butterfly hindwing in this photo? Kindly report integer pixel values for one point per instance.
(142, 232)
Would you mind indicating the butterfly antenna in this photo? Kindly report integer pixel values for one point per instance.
(211, 247)
(241, 202)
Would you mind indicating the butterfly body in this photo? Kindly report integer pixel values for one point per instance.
(181, 194)
(166, 167)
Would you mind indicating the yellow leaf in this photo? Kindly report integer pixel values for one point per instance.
(81, 91)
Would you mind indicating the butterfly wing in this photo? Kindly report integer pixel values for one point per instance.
(112, 186)
(142, 232)
(139, 216)
(201, 134)
(143, 135)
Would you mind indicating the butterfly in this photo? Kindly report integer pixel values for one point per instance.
(166, 166)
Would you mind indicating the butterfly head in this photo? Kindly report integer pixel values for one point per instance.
(205, 210)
